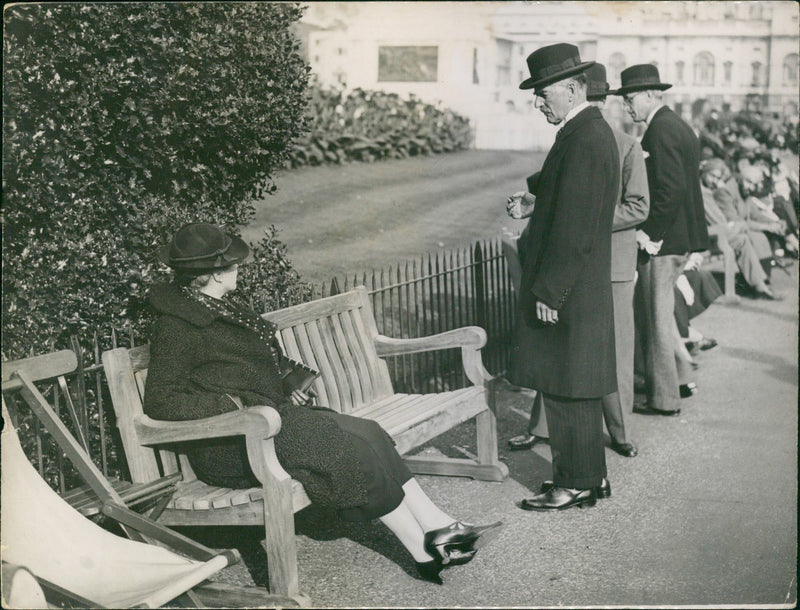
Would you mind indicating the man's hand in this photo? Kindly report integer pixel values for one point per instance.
(653, 247)
(646, 244)
(520, 205)
(545, 314)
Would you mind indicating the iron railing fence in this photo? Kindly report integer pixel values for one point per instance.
(438, 292)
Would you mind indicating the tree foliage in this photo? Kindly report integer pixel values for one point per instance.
(122, 122)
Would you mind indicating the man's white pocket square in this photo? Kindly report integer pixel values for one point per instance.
(646, 154)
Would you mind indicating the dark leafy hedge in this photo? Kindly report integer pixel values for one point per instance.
(365, 125)
(121, 122)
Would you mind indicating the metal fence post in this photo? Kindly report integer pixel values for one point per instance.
(480, 287)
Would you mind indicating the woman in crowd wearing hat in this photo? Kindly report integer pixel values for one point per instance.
(210, 357)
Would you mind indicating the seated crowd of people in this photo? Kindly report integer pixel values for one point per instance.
(750, 195)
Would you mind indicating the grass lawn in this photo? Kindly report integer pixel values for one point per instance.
(345, 220)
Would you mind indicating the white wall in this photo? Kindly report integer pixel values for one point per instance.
(345, 50)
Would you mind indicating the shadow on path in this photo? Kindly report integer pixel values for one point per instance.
(781, 369)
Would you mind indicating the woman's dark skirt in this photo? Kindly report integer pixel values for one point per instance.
(384, 470)
(224, 463)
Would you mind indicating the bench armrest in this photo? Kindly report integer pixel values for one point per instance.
(258, 422)
(469, 338)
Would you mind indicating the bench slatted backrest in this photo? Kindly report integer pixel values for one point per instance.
(126, 373)
(335, 336)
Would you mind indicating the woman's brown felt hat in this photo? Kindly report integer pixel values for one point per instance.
(201, 245)
(553, 63)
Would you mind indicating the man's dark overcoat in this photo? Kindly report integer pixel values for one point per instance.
(566, 263)
(677, 214)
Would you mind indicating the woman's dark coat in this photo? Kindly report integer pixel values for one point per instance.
(199, 358)
(566, 263)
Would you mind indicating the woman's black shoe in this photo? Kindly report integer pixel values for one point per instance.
(429, 570)
(454, 542)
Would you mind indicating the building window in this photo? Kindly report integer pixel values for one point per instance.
(408, 64)
(616, 64)
(504, 51)
(790, 77)
(756, 80)
(727, 71)
(704, 69)
(679, 65)
(475, 79)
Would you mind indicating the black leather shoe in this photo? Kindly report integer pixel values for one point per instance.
(525, 441)
(429, 571)
(687, 390)
(560, 498)
(645, 410)
(452, 544)
(625, 449)
(602, 491)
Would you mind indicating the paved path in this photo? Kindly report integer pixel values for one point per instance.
(706, 514)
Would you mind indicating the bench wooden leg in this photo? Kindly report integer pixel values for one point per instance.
(456, 467)
(486, 424)
(279, 539)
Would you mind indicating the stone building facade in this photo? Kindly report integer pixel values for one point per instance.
(470, 56)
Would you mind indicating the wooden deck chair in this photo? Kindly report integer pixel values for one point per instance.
(74, 559)
(88, 499)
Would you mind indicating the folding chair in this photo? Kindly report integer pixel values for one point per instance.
(77, 562)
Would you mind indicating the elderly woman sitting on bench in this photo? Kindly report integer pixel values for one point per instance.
(210, 357)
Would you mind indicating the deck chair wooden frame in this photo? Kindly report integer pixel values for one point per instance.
(338, 337)
(137, 527)
(89, 498)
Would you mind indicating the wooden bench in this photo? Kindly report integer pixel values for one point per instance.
(338, 337)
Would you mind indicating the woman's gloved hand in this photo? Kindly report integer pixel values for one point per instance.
(300, 399)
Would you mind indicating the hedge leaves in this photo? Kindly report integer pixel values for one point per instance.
(122, 122)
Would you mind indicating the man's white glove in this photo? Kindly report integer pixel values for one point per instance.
(520, 205)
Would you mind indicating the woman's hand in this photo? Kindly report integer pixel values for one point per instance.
(299, 398)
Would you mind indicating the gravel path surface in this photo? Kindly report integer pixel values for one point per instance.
(705, 515)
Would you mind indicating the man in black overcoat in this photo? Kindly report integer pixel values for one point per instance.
(564, 345)
(675, 226)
